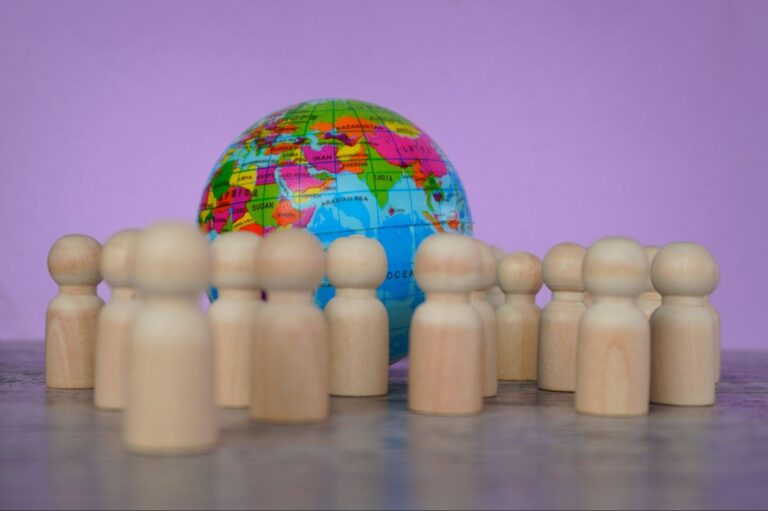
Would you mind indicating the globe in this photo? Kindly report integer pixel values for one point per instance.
(339, 167)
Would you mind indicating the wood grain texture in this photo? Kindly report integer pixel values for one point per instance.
(116, 320)
(614, 347)
(169, 407)
(233, 316)
(290, 352)
(519, 275)
(683, 329)
(558, 329)
(54, 440)
(446, 337)
(358, 324)
(72, 316)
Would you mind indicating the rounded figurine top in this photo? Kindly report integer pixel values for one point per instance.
(291, 260)
(172, 257)
(615, 266)
(561, 268)
(356, 262)
(118, 258)
(520, 273)
(684, 269)
(74, 261)
(487, 265)
(650, 254)
(498, 253)
(234, 256)
(448, 263)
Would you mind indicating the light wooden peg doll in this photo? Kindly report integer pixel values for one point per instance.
(232, 317)
(115, 320)
(445, 374)
(558, 329)
(72, 316)
(487, 314)
(290, 352)
(169, 406)
(614, 349)
(650, 299)
(683, 328)
(357, 320)
(519, 275)
(718, 347)
(495, 294)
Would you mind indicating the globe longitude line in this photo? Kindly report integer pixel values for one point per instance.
(411, 191)
(377, 116)
(373, 170)
(381, 121)
(372, 160)
(306, 126)
(337, 196)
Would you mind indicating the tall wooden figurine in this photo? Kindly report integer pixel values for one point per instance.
(558, 330)
(614, 350)
(487, 312)
(445, 373)
(519, 275)
(290, 352)
(232, 317)
(71, 318)
(650, 299)
(169, 405)
(716, 319)
(683, 328)
(357, 320)
(718, 347)
(115, 320)
(495, 294)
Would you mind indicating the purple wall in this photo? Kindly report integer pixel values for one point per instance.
(567, 121)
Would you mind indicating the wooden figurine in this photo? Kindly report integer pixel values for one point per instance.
(290, 352)
(487, 314)
(519, 275)
(718, 342)
(650, 299)
(558, 329)
(115, 320)
(357, 320)
(495, 294)
(446, 353)
(683, 328)
(614, 348)
(169, 406)
(72, 316)
(718, 347)
(232, 316)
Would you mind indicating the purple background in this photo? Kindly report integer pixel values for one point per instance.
(567, 121)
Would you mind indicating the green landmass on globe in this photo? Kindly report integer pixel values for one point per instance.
(339, 167)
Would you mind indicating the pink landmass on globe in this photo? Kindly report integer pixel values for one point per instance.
(298, 179)
(404, 151)
(324, 159)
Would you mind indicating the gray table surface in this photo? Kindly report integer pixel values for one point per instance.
(528, 450)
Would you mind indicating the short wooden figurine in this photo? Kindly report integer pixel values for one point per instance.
(519, 275)
(169, 406)
(446, 354)
(558, 329)
(357, 320)
(72, 316)
(683, 329)
(115, 320)
(290, 352)
(614, 349)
